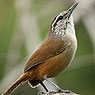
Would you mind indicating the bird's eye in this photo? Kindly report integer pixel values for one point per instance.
(60, 17)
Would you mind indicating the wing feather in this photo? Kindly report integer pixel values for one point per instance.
(50, 48)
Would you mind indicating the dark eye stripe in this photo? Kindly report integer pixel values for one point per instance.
(58, 19)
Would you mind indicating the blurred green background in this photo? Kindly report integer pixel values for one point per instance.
(24, 25)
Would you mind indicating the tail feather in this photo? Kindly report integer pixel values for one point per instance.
(20, 81)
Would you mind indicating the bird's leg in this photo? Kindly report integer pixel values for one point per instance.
(43, 86)
(58, 88)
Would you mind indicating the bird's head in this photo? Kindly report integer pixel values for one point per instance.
(63, 22)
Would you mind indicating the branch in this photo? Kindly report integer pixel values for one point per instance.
(56, 93)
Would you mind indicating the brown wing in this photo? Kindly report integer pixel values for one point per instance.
(50, 48)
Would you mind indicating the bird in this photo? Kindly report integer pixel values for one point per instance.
(53, 56)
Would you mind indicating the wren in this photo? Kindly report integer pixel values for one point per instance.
(53, 56)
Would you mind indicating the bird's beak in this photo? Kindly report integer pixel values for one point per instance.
(70, 10)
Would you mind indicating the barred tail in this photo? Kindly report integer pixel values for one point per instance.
(17, 83)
